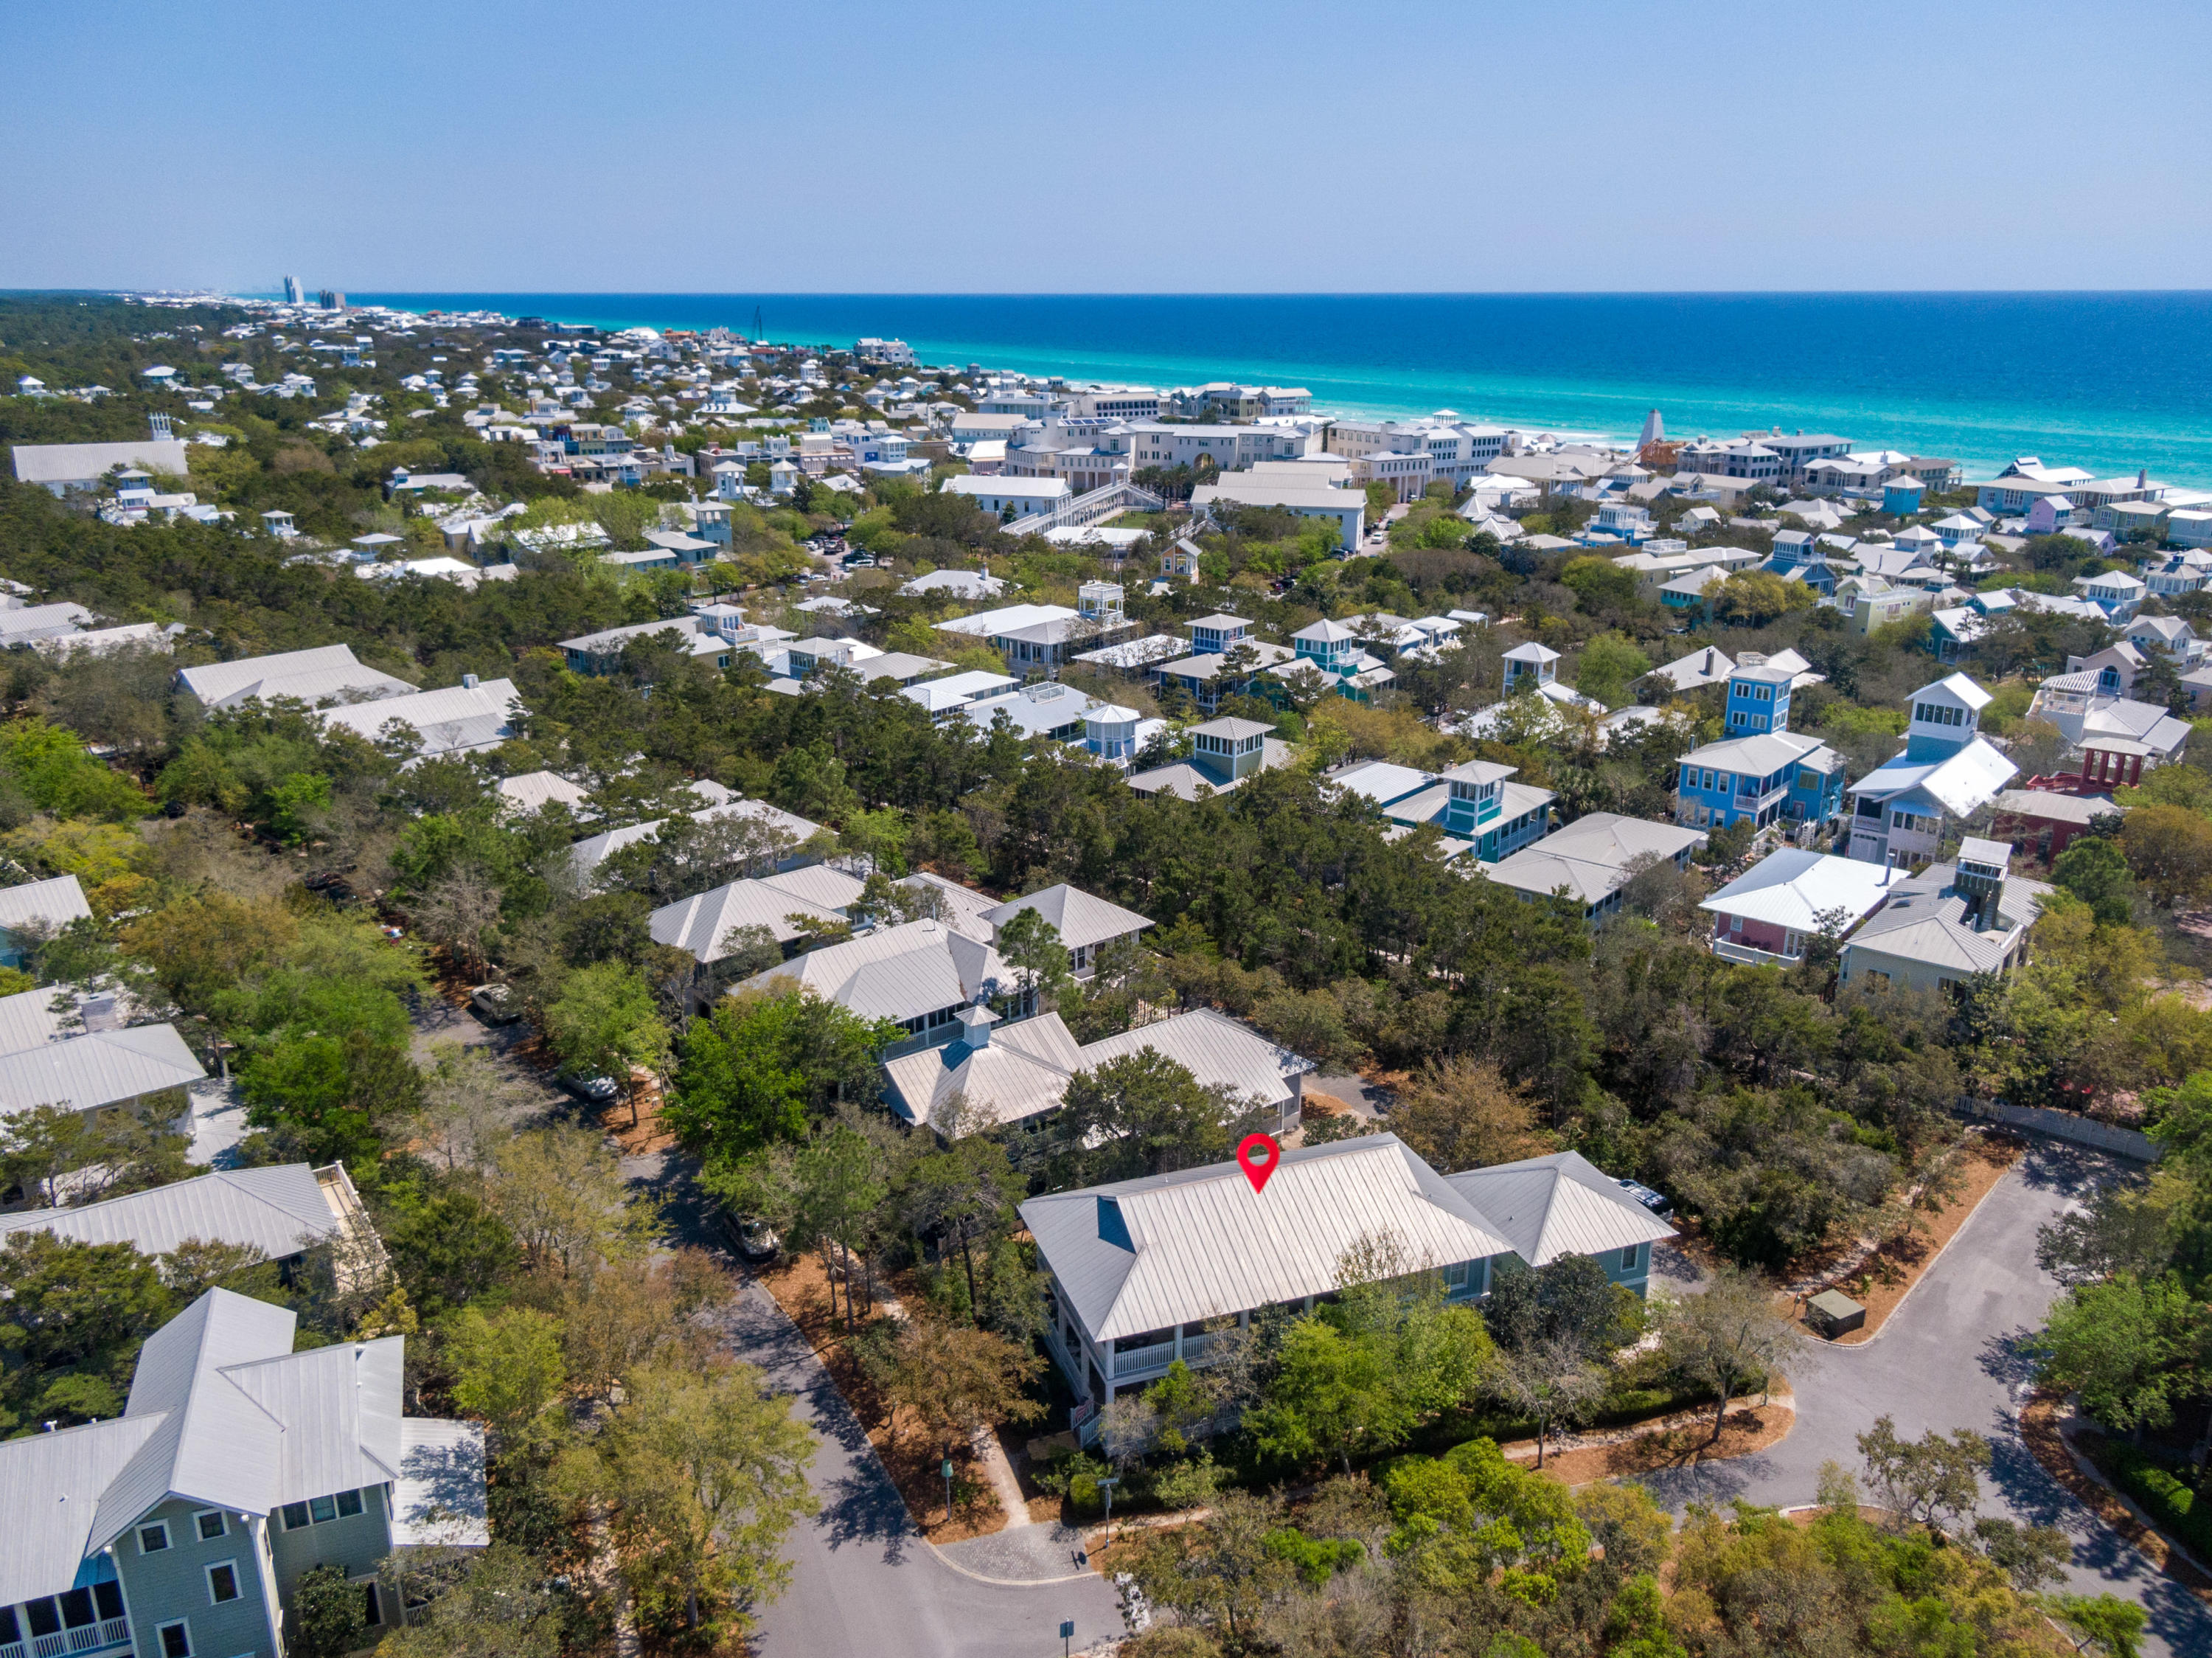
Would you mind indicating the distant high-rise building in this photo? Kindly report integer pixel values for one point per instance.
(292, 294)
(331, 299)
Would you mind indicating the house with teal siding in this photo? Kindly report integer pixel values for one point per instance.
(181, 1528)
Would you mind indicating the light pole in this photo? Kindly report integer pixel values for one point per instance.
(948, 1490)
(1107, 1485)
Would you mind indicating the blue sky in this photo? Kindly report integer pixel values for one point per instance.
(1107, 147)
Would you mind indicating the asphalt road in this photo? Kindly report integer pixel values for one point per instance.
(1955, 1355)
(863, 1580)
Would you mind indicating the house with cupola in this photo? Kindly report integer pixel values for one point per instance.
(1478, 805)
(1761, 771)
(1948, 770)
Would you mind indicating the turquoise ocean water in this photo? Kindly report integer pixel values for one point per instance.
(2109, 381)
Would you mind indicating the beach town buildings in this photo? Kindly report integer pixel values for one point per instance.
(1948, 924)
(1141, 1274)
(1762, 771)
(182, 1527)
(1946, 772)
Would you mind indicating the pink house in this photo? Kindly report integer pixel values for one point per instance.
(1770, 912)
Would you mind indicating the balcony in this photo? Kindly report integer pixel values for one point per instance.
(1729, 949)
(1155, 1359)
(95, 1637)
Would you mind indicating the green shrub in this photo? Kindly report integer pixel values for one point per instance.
(2172, 1505)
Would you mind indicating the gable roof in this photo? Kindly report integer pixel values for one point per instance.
(99, 1067)
(57, 902)
(454, 719)
(902, 972)
(702, 925)
(1149, 1254)
(1081, 919)
(1960, 783)
(1547, 1207)
(1793, 887)
(325, 672)
(275, 1210)
(221, 1412)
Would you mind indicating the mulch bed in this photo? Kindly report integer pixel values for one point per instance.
(1681, 1446)
(1883, 1281)
(912, 1460)
(2043, 1428)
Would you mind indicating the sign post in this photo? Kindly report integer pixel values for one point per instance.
(1067, 1635)
(948, 1490)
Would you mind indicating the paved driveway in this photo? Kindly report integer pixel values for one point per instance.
(1953, 1357)
(863, 1582)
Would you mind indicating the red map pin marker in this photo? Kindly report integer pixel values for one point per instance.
(1257, 1155)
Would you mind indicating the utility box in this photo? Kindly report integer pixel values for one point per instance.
(1834, 1314)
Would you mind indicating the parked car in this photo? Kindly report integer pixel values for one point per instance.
(592, 1090)
(495, 1004)
(1655, 1201)
(751, 1237)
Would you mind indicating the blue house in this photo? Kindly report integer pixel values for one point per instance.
(1476, 805)
(1761, 771)
(1798, 557)
(1947, 772)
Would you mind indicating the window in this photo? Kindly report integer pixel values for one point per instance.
(1628, 1258)
(222, 1583)
(323, 1508)
(176, 1641)
(154, 1537)
(295, 1516)
(349, 1503)
(211, 1525)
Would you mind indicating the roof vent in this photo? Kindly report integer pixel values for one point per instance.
(468, 682)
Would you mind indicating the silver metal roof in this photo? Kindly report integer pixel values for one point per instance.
(327, 671)
(1203, 1244)
(453, 719)
(277, 1211)
(221, 1411)
(57, 903)
(1218, 1050)
(99, 1068)
(1547, 1207)
(703, 924)
(1079, 918)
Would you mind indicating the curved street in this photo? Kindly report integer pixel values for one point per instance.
(863, 1580)
(1954, 1356)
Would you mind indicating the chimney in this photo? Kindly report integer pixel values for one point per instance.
(2142, 477)
(976, 1024)
(468, 682)
(99, 1013)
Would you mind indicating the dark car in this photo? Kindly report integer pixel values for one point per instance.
(495, 1004)
(1655, 1201)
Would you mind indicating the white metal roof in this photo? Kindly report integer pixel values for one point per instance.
(1079, 918)
(454, 719)
(906, 972)
(1792, 887)
(1143, 1255)
(56, 903)
(439, 1501)
(277, 1211)
(1591, 857)
(1960, 783)
(534, 790)
(1024, 1068)
(1219, 1051)
(703, 924)
(221, 1411)
(1547, 1207)
(99, 1067)
(326, 672)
